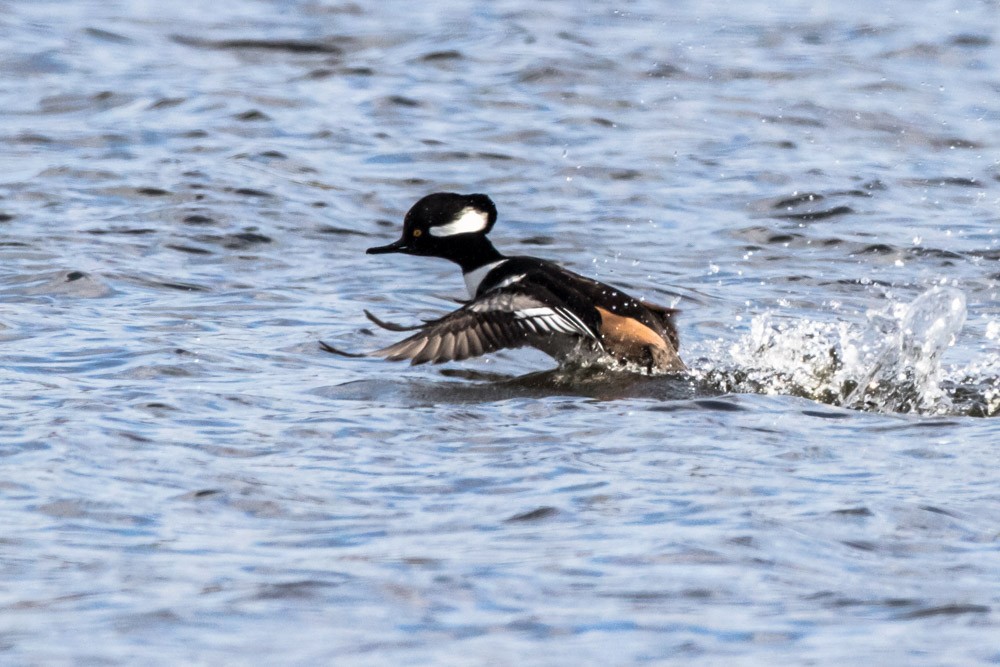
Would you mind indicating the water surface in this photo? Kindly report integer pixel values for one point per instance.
(186, 193)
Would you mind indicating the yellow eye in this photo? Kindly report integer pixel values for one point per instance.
(417, 233)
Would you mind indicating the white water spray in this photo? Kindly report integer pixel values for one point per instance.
(891, 364)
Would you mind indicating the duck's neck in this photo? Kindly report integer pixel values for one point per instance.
(474, 253)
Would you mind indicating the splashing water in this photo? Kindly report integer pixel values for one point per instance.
(904, 373)
(891, 364)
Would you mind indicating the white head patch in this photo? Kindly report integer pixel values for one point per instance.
(467, 221)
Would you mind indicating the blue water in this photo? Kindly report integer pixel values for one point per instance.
(186, 193)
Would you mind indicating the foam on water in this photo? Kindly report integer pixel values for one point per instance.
(890, 363)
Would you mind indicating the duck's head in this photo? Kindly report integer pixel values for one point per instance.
(441, 224)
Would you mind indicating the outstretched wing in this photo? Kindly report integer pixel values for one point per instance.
(505, 318)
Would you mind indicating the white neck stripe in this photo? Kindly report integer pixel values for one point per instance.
(467, 221)
(475, 277)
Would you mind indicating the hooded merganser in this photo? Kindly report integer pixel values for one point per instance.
(521, 301)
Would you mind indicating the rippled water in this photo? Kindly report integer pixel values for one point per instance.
(186, 193)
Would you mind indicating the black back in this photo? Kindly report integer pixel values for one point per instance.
(580, 294)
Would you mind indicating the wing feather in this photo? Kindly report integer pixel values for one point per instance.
(429, 350)
(404, 349)
(476, 347)
(447, 350)
(461, 345)
(505, 318)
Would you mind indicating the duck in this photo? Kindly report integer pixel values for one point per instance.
(520, 301)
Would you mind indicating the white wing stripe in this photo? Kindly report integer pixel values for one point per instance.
(576, 322)
(533, 312)
(563, 326)
(558, 320)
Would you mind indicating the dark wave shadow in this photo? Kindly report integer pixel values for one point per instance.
(469, 386)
